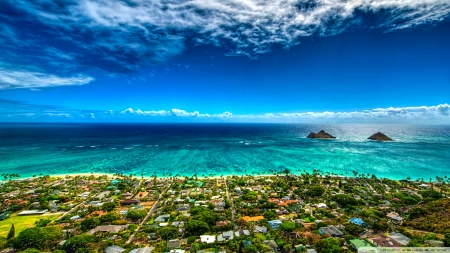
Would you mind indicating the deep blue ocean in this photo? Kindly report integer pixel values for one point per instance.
(222, 149)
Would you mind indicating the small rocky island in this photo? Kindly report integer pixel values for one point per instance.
(321, 135)
(379, 137)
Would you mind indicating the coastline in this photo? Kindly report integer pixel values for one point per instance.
(111, 176)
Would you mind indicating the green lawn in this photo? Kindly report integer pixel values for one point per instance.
(22, 222)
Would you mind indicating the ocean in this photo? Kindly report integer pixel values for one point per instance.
(207, 149)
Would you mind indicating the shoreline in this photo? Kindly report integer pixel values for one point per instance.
(111, 176)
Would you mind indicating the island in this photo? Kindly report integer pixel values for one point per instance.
(321, 135)
(379, 137)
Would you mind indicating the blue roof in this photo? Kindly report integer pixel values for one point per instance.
(357, 221)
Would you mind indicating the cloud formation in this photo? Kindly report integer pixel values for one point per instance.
(21, 110)
(441, 111)
(118, 36)
(12, 78)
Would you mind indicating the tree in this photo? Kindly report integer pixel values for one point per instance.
(447, 240)
(77, 242)
(168, 233)
(316, 191)
(329, 245)
(41, 238)
(136, 214)
(31, 250)
(11, 233)
(90, 223)
(208, 217)
(108, 207)
(287, 226)
(196, 227)
(110, 217)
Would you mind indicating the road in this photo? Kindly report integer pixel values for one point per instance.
(233, 210)
(70, 211)
(149, 214)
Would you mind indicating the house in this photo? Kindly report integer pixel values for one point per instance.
(135, 185)
(162, 218)
(272, 244)
(275, 224)
(357, 221)
(208, 238)
(246, 243)
(238, 190)
(177, 251)
(384, 241)
(95, 203)
(175, 243)
(33, 212)
(76, 217)
(183, 209)
(142, 250)
(225, 236)
(103, 194)
(260, 229)
(242, 232)
(127, 195)
(222, 223)
(130, 202)
(98, 214)
(402, 239)
(322, 206)
(114, 249)
(434, 243)
(395, 218)
(107, 229)
(357, 243)
(331, 231)
(142, 194)
(152, 236)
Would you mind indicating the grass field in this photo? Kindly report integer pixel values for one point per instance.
(22, 222)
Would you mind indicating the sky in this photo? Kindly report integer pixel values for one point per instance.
(225, 61)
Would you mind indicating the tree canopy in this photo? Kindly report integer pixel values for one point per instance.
(196, 227)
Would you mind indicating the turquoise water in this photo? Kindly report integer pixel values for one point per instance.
(222, 149)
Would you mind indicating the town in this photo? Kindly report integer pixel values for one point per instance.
(283, 212)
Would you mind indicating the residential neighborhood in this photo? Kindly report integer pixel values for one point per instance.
(310, 212)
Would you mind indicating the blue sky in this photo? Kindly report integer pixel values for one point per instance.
(225, 60)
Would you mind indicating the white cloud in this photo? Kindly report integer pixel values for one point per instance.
(439, 112)
(250, 26)
(13, 78)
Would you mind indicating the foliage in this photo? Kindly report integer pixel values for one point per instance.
(168, 233)
(329, 245)
(434, 217)
(431, 194)
(447, 240)
(270, 215)
(353, 229)
(315, 191)
(110, 217)
(207, 217)
(192, 239)
(345, 200)
(42, 222)
(31, 250)
(77, 242)
(287, 226)
(136, 214)
(108, 207)
(89, 223)
(11, 233)
(41, 238)
(196, 227)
